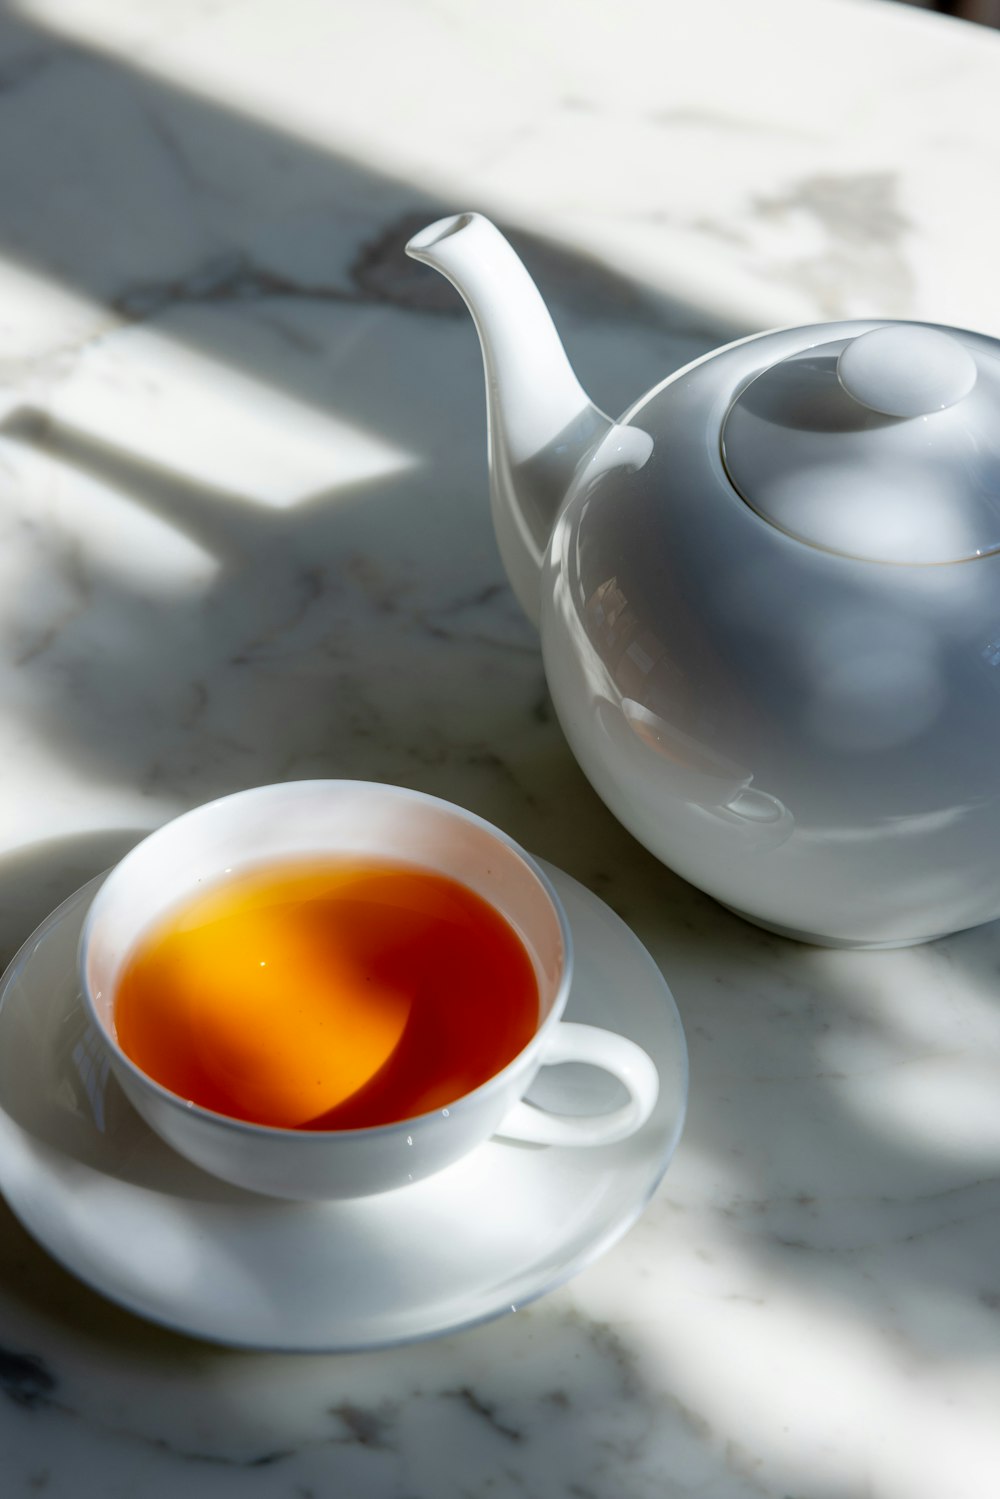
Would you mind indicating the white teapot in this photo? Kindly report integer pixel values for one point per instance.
(769, 602)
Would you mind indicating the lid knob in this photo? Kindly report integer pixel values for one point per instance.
(906, 370)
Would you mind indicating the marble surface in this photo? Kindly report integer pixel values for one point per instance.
(244, 537)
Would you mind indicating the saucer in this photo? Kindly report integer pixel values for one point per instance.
(501, 1227)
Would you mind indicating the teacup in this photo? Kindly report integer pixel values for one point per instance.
(312, 820)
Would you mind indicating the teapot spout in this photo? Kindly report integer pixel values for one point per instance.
(541, 423)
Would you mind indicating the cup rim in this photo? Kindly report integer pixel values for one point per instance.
(248, 1127)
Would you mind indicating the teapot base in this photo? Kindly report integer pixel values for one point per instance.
(815, 939)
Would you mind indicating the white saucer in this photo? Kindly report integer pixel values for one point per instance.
(509, 1222)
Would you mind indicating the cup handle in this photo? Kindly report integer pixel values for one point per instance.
(616, 1054)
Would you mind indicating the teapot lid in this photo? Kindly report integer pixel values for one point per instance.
(883, 447)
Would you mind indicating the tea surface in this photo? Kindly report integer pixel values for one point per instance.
(327, 995)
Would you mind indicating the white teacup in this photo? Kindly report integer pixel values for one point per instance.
(303, 819)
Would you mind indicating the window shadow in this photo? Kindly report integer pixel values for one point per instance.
(279, 263)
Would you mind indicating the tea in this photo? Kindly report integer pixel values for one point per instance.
(329, 994)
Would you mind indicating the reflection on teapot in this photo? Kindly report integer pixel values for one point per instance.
(767, 597)
(708, 780)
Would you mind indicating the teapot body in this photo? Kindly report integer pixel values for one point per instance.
(769, 600)
(810, 738)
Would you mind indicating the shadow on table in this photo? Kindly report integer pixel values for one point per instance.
(304, 651)
(37, 878)
(550, 1401)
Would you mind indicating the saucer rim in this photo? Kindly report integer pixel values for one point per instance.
(593, 1249)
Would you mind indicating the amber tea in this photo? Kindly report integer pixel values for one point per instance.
(328, 994)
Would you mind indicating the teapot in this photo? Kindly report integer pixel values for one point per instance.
(769, 601)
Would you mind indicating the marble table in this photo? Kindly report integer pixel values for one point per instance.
(245, 538)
